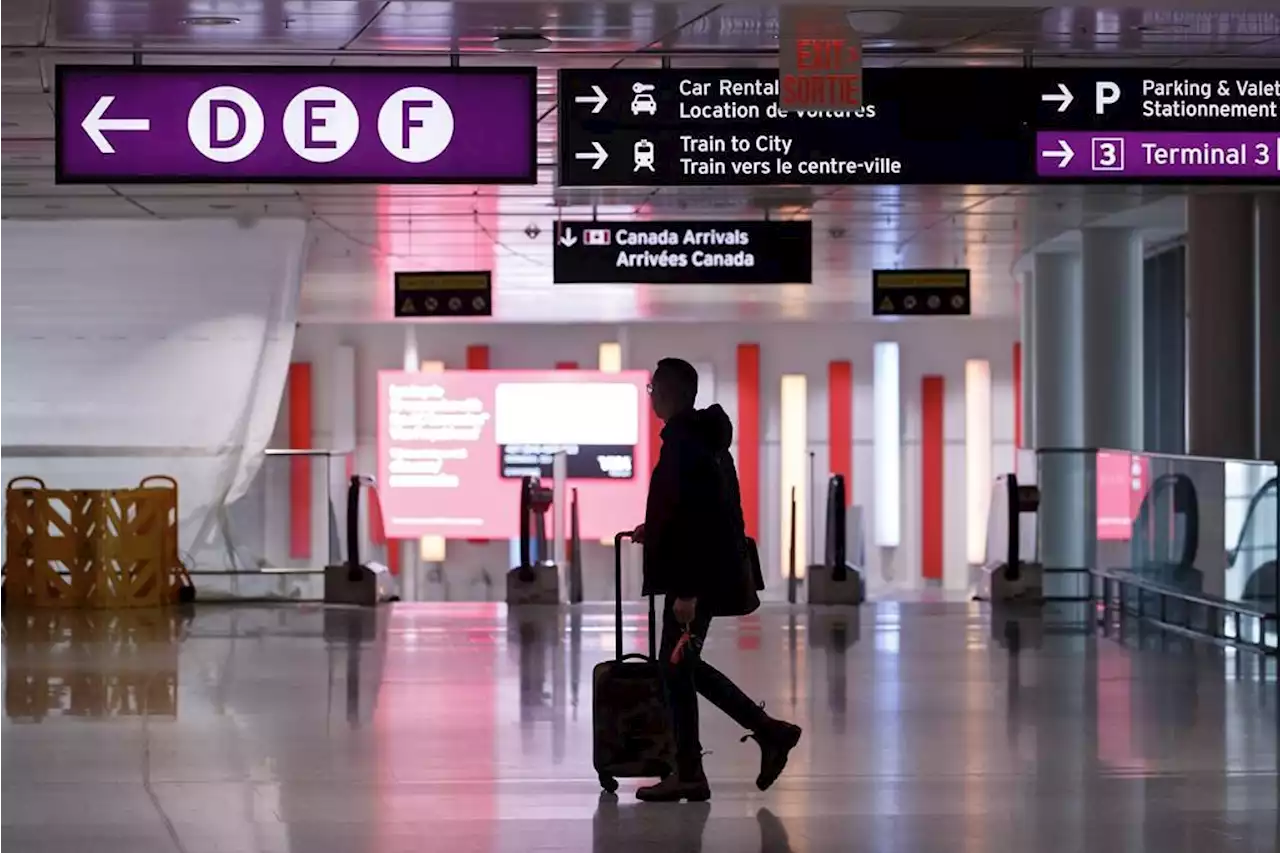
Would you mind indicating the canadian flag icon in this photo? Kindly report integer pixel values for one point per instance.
(597, 236)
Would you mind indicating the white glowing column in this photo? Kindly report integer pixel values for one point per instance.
(977, 456)
(794, 411)
(887, 443)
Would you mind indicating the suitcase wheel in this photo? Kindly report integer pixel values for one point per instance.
(608, 783)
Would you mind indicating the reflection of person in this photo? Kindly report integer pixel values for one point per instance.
(615, 828)
(694, 548)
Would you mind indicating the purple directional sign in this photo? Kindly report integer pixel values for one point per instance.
(165, 124)
(1146, 155)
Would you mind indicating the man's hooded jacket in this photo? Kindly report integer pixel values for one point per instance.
(694, 533)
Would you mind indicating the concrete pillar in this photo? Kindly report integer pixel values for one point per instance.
(1056, 352)
(1222, 380)
(1111, 316)
(1027, 335)
(1067, 517)
(1267, 231)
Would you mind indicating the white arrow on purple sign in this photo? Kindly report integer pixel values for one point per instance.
(96, 122)
(296, 124)
(226, 124)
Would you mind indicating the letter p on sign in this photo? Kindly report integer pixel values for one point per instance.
(1105, 94)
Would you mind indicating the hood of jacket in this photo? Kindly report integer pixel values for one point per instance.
(710, 427)
(714, 427)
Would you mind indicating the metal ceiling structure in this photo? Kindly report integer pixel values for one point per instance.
(363, 232)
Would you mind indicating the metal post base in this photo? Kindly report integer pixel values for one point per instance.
(542, 587)
(825, 589)
(1027, 587)
(372, 587)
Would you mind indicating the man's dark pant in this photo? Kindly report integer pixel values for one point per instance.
(692, 676)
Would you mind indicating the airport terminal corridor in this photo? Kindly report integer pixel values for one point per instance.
(366, 363)
(929, 726)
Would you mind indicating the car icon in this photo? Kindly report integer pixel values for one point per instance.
(644, 104)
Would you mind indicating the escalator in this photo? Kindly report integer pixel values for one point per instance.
(1255, 552)
(1166, 534)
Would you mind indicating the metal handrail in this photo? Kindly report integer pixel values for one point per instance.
(1220, 605)
(305, 451)
(1151, 454)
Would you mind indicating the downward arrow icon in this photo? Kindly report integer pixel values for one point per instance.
(567, 239)
(95, 123)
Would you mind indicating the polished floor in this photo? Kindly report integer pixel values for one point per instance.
(465, 729)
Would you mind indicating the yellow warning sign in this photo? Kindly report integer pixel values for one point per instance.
(920, 278)
(436, 281)
(921, 292)
(443, 294)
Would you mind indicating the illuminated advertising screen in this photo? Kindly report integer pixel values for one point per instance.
(1122, 484)
(453, 448)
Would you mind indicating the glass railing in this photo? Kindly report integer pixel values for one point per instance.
(1202, 526)
(274, 540)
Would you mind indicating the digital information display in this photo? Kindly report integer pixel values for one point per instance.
(694, 252)
(723, 127)
(1123, 479)
(454, 446)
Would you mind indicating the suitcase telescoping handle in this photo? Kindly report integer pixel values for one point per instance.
(617, 603)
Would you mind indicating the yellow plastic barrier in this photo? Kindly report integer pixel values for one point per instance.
(92, 549)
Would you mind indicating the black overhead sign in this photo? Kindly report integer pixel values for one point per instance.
(908, 293)
(444, 294)
(697, 252)
(719, 127)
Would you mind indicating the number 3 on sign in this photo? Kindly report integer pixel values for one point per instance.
(1108, 154)
(1263, 155)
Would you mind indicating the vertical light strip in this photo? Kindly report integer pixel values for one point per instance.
(749, 435)
(977, 456)
(431, 549)
(840, 423)
(794, 411)
(887, 442)
(610, 358)
(300, 438)
(410, 347)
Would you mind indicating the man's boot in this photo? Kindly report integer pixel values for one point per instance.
(776, 739)
(690, 785)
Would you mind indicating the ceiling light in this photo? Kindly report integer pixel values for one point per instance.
(210, 21)
(521, 42)
(874, 22)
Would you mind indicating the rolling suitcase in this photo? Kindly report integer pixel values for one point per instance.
(631, 722)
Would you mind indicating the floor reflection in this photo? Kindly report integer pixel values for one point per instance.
(92, 663)
(930, 726)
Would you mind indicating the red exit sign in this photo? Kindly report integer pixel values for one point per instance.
(820, 61)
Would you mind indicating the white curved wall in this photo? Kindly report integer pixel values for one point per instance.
(132, 348)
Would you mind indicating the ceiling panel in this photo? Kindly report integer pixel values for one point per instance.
(359, 234)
